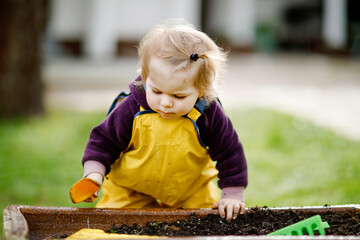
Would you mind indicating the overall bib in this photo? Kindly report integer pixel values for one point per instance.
(165, 164)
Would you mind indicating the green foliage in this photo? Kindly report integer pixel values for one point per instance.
(291, 162)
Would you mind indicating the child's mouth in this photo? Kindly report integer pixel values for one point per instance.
(165, 114)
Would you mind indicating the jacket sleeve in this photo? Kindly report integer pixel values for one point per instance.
(225, 148)
(112, 136)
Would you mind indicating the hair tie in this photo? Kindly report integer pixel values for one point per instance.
(194, 57)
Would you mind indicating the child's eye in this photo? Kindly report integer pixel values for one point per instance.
(156, 91)
(179, 97)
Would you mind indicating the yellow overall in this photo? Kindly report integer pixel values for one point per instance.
(164, 165)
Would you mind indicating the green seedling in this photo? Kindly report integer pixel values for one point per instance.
(304, 227)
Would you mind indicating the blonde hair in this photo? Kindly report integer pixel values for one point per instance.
(174, 42)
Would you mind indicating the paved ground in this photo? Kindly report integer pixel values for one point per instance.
(321, 89)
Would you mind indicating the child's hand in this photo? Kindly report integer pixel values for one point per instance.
(230, 208)
(86, 190)
(99, 179)
(231, 203)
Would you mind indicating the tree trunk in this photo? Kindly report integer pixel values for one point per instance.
(22, 23)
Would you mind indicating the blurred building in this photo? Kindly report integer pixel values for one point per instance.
(103, 29)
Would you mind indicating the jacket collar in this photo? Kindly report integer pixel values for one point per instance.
(138, 92)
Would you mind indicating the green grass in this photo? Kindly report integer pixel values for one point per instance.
(294, 163)
(291, 162)
(40, 158)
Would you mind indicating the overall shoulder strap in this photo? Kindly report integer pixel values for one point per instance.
(117, 100)
(198, 109)
(195, 113)
(143, 111)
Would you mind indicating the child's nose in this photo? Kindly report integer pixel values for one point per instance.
(166, 101)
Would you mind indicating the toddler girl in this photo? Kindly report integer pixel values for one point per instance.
(158, 146)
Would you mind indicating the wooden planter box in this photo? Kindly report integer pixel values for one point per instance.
(31, 222)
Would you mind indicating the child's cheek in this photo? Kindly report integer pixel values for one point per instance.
(149, 99)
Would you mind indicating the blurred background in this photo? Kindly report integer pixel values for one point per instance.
(67, 49)
(292, 90)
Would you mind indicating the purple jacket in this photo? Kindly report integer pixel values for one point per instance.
(112, 136)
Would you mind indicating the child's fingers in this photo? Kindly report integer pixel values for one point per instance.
(91, 199)
(229, 211)
(237, 208)
(229, 208)
(95, 195)
(242, 208)
(88, 200)
(221, 208)
(222, 211)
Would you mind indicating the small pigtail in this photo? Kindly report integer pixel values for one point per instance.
(194, 57)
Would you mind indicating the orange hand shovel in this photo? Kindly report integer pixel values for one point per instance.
(84, 189)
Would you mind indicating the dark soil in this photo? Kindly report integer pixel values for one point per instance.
(256, 221)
